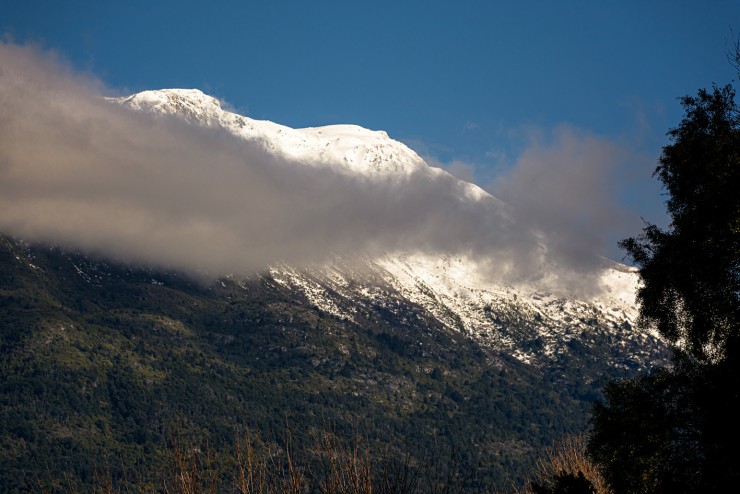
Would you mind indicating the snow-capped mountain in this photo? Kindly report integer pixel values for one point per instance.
(345, 147)
(527, 321)
(414, 348)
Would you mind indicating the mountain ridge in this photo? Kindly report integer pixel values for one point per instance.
(352, 147)
(442, 286)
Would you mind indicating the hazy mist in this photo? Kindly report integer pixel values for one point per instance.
(85, 173)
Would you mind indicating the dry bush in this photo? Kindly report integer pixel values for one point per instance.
(190, 470)
(257, 467)
(254, 466)
(262, 468)
(342, 469)
(569, 455)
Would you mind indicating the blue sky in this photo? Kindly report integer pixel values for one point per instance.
(473, 86)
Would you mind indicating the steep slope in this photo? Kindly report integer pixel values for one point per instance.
(350, 147)
(460, 299)
(456, 290)
(106, 361)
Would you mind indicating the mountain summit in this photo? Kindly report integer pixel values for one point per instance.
(359, 149)
(370, 153)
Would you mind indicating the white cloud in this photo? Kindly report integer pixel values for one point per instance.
(79, 171)
(89, 174)
(566, 183)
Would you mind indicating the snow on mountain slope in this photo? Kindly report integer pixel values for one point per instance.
(359, 149)
(526, 321)
(350, 147)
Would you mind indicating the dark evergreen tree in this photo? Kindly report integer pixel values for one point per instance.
(676, 430)
(691, 272)
(672, 431)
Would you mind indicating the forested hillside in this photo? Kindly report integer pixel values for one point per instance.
(103, 364)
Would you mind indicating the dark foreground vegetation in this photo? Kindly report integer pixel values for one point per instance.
(102, 364)
(676, 430)
(334, 466)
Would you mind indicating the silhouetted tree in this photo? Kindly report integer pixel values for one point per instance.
(691, 272)
(676, 430)
(672, 431)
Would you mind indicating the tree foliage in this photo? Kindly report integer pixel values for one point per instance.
(691, 272)
(676, 429)
(671, 431)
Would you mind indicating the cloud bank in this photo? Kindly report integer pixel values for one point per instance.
(88, 174)
(566, 185)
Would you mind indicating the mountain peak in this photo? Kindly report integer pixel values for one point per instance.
(350, 147)
(191, 103)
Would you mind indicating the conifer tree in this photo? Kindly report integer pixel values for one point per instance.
(676, 430)
(691, 272)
